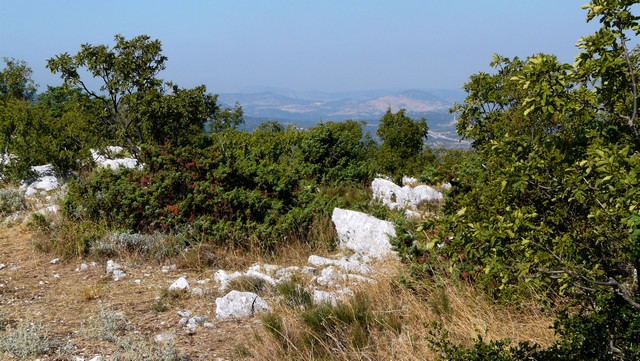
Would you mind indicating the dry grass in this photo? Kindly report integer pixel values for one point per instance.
(462, 311)
(400, 319)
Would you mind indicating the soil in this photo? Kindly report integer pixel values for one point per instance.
(67, 301)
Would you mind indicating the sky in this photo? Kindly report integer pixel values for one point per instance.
(304, 45)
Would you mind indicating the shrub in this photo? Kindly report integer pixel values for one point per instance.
(11, 201)
(27, 340)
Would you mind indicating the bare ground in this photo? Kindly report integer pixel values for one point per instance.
(66, 300)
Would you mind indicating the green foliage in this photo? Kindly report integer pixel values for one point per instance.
(402, 143)
(336, 153)
(245, 189)
(134, 106)
(15, 81)
(500, 350)
(548, 204)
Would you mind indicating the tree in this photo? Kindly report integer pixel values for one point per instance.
(551, 204)
(135, 105)
(16, 82)
(16, 91)
(402, 141)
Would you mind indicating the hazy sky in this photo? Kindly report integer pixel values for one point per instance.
(330, 45)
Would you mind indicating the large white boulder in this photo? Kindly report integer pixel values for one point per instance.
(238, 304)
(363, 233)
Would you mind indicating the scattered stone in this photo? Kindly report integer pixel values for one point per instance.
(363, 233)
(330, 277)
(166, 269)
(198, 320)
(309, 270)
(40, 185)
(238, 304)
(107, 161)
(55, 261)
(184, 313)
(355, 263)
(53, 209)
(118, 274)
(180, 284)
(112, 266)
(164, 337)
(84, 267)
(285, 274)
(208, 325)
(114, 270)
(197, 292)
(2, 266)
(320, 296)
(138, 282)
(183, 321)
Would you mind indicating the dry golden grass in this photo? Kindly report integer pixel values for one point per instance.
(462, 311)
(67, 303)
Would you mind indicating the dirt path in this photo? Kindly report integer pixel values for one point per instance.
(67, 300)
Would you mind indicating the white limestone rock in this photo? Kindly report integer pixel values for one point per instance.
(399, 198)
(320, 296)
(164, 337)
(355, 263)
(180, 284)
(363, 233)
(285, 274)
(223, 278)
(114, 270)
(238, 304)
(106, 159)
(40, 185)
(332, 297)
(331, 277)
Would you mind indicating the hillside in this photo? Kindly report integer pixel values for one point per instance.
(306, 109)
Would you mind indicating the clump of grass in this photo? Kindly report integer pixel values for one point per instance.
(324, 330)
(167, 298)
(295, 295)
(242, 351)
(248, 284)
(66, 239)
(27, 340)
(155, 245)
(198, 257)
(90, 293)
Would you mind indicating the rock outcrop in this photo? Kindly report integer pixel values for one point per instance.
(407, 198)
(362, 233)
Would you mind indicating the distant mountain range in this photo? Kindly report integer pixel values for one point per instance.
(306, 109)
